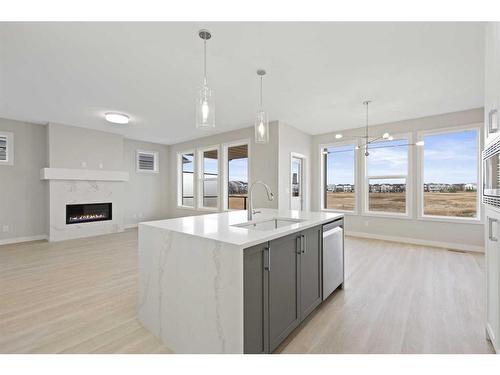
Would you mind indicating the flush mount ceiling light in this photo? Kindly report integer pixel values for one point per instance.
(261, 120)
(116, 118)
(205, 101)
(366, 140)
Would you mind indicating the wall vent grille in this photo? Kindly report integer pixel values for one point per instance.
(147, 161)
(492, 201)
(3, 148)
(491, 150)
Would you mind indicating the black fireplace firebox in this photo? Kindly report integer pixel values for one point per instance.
(87, 212)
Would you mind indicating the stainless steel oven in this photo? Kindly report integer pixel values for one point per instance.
(491, 174)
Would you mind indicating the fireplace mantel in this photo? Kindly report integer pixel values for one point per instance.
(82, 174)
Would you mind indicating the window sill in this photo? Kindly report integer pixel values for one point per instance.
(386, 215)
(209, 209)
(338, 211)
(187, 208)
(454, 220)
(442, 219)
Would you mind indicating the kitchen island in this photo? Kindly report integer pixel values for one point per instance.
(215, 283)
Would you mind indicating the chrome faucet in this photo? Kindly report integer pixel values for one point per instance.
(270, 196)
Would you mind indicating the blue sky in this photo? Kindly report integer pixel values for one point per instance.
(451, 158)
(342, 162)
(448, 158)
(238, 170)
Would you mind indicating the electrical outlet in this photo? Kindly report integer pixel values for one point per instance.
(84, 164)
(101, 166)
(5, 228)
(366, 223)
(135, 216)
(141, 215)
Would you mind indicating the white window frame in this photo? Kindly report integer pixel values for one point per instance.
(420, 178)
(179, 179)
(322, 176)
(156, 161)
(10, 149)
(408, 179)
(201, 177)
(303, 182)
(225, 171)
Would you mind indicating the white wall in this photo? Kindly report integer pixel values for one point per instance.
(22, 194)
(292, 140)
(467, 236)
(70, 146)
(263, 165)
(146, 194)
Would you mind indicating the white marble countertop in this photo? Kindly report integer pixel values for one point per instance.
(220, 226)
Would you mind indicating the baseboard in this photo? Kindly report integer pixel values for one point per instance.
(491, 338)
(417, 241)
(130, 226)
(7, 241)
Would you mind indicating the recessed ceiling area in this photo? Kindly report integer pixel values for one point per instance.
(318, 74)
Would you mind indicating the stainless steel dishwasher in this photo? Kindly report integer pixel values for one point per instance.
(333, 257)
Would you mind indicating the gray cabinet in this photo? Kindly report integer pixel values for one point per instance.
(282, 286)
(255, 299)
(310, 271)
(283, 289)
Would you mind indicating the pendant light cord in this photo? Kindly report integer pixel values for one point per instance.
(205, 62)
(261, 93)
(366, 130)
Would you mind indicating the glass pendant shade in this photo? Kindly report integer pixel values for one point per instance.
(205, 108)
(261, 128)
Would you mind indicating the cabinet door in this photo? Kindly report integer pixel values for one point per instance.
(283, 288)
(310, 271)
(255, 279)
(492, 276)
(492, 83)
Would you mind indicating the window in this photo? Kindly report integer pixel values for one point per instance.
(147, 161)
(186, 179)
(338, 178)
(387, 172)
(237, 177)
(450, 174)
(6, 148)
(209, 182)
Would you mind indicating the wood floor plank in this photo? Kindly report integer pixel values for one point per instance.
(80, 296)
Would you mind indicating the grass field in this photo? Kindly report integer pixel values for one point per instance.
(340, 201)
(460, 204)
(387, 202)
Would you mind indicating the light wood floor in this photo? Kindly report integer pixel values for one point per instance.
(80, 296)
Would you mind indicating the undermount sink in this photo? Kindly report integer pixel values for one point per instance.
(269, 224)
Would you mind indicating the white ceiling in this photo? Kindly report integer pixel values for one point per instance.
(318, 73)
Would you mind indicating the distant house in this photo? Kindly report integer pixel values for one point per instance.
(340, 188)
(458, 187)
(471, 187)
(344, 188)
(436, 188)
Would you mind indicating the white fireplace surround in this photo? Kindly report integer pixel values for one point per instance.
(77, 186)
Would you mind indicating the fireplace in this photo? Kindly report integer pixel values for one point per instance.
(87, 212)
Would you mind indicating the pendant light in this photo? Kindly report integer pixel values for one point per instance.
(366, 140)
(205, 101)
(261, 120)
